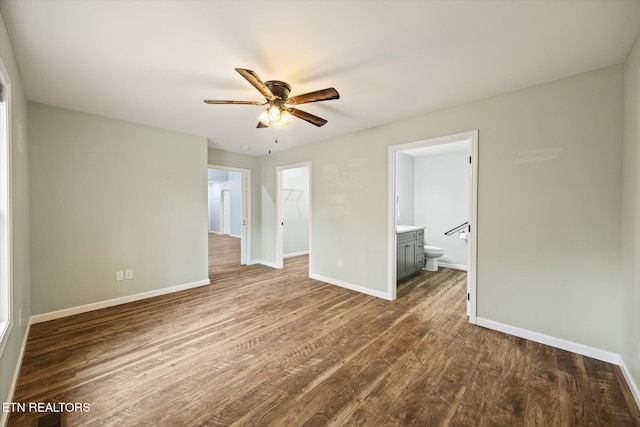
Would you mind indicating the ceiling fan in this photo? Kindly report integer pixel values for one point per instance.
(280, 110)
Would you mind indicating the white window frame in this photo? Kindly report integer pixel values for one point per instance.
(6, 277)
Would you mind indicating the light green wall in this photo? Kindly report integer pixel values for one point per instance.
(20, 217)
(549, 209)
(549, 229)
(631, 212)
(109, 195)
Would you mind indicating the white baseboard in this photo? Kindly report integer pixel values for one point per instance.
(351, 286)
(273, 264)
(573, 347)
(296, 254)
(633, 386)
(263, 262)
(116, 301)
(454, 266)
(16, 374)
(235, 235)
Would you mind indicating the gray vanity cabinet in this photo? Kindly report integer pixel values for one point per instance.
(410, 256)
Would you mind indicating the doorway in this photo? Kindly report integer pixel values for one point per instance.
(467, 232)
(293, 206)
(229, 205)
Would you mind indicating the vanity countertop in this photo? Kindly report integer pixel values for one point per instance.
(405, 228)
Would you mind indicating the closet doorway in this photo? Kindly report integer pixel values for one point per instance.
(293, 212)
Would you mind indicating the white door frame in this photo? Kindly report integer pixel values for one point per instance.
(473, 214)
(279, 224)
(245, 234)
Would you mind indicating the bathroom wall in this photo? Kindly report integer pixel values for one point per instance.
(295, 210)
(442, 202)
(405, 178)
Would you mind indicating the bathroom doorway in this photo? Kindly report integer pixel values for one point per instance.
(293, 212)
(415, 166)
(229, 196)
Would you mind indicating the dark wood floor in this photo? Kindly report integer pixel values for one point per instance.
(271, 347)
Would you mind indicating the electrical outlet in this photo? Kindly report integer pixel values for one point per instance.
(128, 274)
(119, 275)
(19, 317)
(339, 262)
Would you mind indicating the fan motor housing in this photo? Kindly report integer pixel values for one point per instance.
(279, 89)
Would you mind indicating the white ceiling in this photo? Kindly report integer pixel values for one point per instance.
(154, 62)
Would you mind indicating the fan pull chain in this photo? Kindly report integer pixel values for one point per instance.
(276, 141)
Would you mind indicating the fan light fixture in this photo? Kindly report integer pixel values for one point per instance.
(276, 116)
(274, 113)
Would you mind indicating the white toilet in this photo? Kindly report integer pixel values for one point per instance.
(431, 255)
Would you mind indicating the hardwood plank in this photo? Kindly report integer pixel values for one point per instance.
(608, 394)
(440, 406)
(263, 346)
(510, 397)
(542, 408)
(575, 401)
(476, 403)
(626, 392)
(411, 394)
(413, 362)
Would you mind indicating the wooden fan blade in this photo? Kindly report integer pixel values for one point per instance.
(256, 82)
(220, 101)
(261, 125)
(318, 95)
(315, 120)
